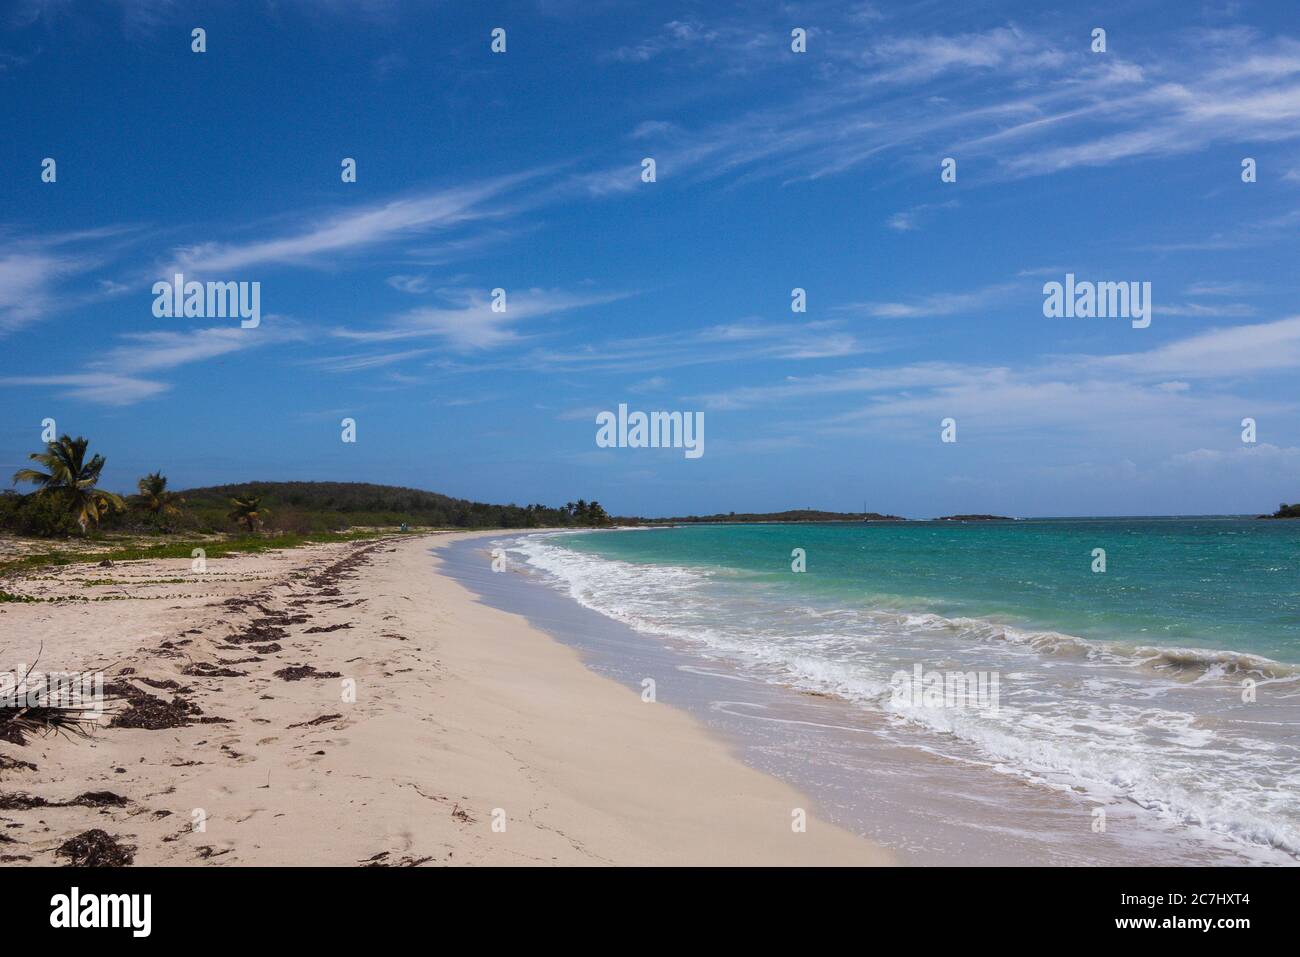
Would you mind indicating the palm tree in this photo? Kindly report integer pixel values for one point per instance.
(69, 476)
(156, 498)
(249, 509)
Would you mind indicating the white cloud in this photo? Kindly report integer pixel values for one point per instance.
(726, 343)
(910, 219)
(26, 279)
(675, 35)
(1171, 393)
(104, 387)
(1262, 459)
(351, 231)
(908, 59)
(469, 322)
(934, 304)
(33, 269)
(155, 351)
(359, 363)
(411, 284)
(1218, 353)
(1201, 310)
(115, 377)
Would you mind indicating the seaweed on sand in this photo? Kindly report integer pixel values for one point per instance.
(96, 848)
(298, 672)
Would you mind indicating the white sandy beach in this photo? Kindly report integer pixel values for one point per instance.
(463, 715)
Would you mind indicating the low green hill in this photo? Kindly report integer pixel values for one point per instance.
(306, 508)
(320, 506)
(296, 507)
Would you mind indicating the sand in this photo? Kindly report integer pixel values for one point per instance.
(474, 738)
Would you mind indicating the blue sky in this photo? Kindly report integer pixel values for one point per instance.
(775, 170)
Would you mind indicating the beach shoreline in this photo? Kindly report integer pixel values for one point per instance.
(474, 738)
(715, 634)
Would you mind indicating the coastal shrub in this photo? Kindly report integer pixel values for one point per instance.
(40, 516)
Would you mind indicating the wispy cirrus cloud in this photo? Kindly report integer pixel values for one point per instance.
(45, 275)
(411, 284)
(366, 361)
(1176, 392)
(101, 387)
(468, 321)
(1260, 232)
(909, 220)
(1246, 350)
(27, 281)
(1005, 95)
(910, 59)
(166, 349)
(729, 343)
(1221, 288)
(925, 375)
(935, 304)
(1205, 310)
(118, 377)
(675, 35)
(353, 231)
(1228, 88)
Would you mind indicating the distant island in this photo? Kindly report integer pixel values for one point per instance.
(1285, 511)
(975, 518)
(790, 516)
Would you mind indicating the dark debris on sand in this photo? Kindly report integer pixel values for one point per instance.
(203, 669)
(96, 848)
(298, 672)
(18, 724)
(21, 802)
(382, 860)
(323, 719)
(145, 711)
(26, 802)
(259, 630)
(163, 684)
(98, 799)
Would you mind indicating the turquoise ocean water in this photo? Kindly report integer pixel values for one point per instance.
(1227, 584)
(1171, 680)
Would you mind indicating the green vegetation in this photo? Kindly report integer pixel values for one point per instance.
(69, 481)
(212, 548)
(306, 507)
(249, 510)
(1285, 511)
(68, 500)
(156, 501)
